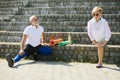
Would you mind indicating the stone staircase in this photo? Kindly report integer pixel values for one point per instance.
(60, 17)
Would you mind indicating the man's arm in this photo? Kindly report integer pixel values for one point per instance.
(23, 43)
(42, 38)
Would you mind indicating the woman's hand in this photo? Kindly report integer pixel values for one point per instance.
(94, 42)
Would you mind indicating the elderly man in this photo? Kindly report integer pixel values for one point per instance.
(30, 42)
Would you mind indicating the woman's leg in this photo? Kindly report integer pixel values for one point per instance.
(100, 54)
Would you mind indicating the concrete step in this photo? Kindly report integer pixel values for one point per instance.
(5, 4)
(58, 3)
(60, 17)
(77, 37)
(63, 0)
(74, 52)
(65, 26)
(49, 26)
(58, 10)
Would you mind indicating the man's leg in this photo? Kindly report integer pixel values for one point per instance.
(28, 51)
(36, 52)
(9, 60)
(18, 57)
(44, 50)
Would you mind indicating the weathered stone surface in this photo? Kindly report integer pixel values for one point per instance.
(75, 52)
(58, 17)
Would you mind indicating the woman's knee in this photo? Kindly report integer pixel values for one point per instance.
(101, 47)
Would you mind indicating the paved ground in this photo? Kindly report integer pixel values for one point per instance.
(47, 70)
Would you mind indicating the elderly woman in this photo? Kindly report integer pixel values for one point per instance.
(31, 40)
(98, 32)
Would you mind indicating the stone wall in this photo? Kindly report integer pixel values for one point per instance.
(60, 17)
(74, 52)
(77, 37)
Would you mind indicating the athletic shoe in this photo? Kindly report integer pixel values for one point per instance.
(9, 60)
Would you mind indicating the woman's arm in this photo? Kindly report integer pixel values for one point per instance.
(107, 32)
(89, 30)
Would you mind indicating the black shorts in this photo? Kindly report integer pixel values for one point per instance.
(32, 50)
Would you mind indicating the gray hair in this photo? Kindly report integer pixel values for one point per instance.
(31, 18)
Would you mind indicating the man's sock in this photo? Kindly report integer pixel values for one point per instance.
(19, 57)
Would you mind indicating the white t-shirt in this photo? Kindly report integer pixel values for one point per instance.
(34, 35)
(98, 31)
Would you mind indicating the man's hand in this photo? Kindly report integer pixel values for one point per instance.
(43, 43)
(21, 52)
